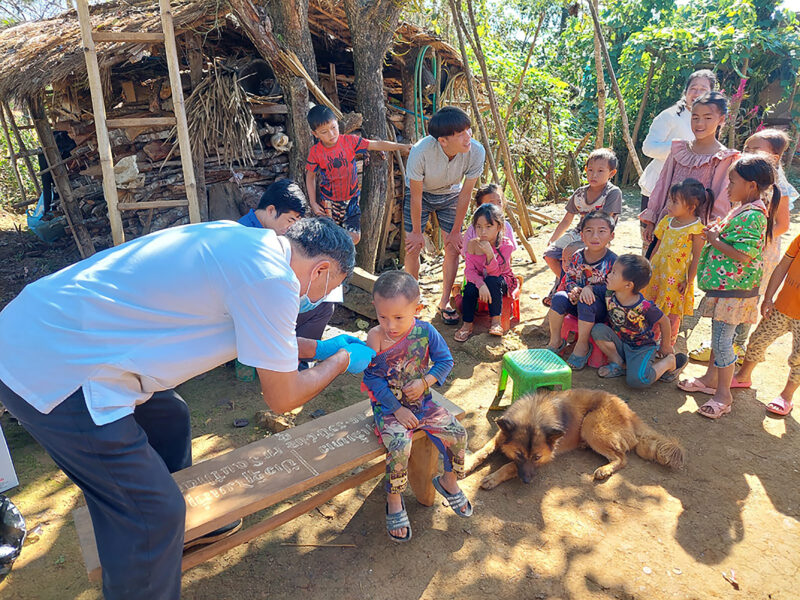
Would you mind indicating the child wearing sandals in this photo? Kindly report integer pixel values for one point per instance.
(584, 293)
(730, 273)
(780, 317)
(487, 269)
(628, 341)
(677, 251)
(398, 382)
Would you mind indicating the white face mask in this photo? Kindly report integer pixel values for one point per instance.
(306, 304)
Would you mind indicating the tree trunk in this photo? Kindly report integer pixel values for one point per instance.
(601, 87)
(258, 28)
(372, 24)
(511, 104)
(290, 18)
(615, 86)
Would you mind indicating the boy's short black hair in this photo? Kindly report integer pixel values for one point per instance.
(636, 269)
(319, 115)
(606, 154)
(448, 121)
(286, 196)
(391, 284)
(597, 214)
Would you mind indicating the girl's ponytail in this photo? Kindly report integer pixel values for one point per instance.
(706, 207)
(773, 210)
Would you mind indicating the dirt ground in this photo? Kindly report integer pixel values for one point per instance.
(645, 533)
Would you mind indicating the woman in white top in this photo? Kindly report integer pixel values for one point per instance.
(673, 123)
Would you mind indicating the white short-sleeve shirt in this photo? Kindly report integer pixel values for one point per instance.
(150, 314)
(439, 173)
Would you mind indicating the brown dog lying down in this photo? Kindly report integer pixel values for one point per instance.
(538, 426)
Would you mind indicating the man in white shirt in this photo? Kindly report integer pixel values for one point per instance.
(437, 166)
(89, 357)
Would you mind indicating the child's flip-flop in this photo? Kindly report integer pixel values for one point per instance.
(449, 316)
(398, 520)
(576, 362)
(780, 406)
(462, 335)
(714, 409)
(558, 350)
(496, 330)
(455, 501)
(612, 369)
(735, 383)
(681, 360)
(694, 385)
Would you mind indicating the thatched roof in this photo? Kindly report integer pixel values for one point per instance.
(37, 54)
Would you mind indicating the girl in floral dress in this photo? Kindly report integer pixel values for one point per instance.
(677, 252)
(730, 272)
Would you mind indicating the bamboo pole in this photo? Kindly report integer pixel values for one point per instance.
(640, 117)
(14, 166)
(99, 110)
(602, 94)
(473, 97)
(389, 208)
(524, 72)
(498, 122)
(615, 86)
(179, 109)
(22, 149)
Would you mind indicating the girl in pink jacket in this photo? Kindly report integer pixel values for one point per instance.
(487, 270)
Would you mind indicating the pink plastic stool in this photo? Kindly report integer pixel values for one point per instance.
(596, 359)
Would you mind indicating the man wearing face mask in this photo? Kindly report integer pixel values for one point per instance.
(282, 204)
(89, 357)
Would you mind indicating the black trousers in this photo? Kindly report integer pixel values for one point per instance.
(497, 288)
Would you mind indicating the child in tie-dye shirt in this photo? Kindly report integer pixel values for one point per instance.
(398, 382)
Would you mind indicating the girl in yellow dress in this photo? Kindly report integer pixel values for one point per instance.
(677, 252)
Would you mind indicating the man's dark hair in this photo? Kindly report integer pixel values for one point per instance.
(391, 284)
(320, 236)
(448, 121)
(597, 214)
(286, 196)
(606, 154)
(636, 269)
(319, 115)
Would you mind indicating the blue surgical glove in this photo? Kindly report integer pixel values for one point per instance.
(327, 348)
(360, 356)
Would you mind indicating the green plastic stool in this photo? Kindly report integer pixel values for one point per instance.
(531, 370)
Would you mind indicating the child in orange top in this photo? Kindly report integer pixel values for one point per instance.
(780, 317)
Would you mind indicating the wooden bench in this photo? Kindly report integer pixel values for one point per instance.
(264, 473)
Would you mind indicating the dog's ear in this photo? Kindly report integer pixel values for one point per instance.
(506, 425)
(552, 436)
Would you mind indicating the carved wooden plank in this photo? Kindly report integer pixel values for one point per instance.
(266, 472)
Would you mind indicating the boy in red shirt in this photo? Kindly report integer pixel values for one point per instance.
(333, 158)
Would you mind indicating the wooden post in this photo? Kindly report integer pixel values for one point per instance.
(620, 101)
(194, 47)
(421, 468)
(22, 149)
(601, 88)
(99, 110)
(61, 179)
(640, 116)
(180, 110)
(13, 154)
(389, 208)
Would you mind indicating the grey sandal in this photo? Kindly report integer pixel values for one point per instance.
(398, 520)
(455, 501)
(612, 370)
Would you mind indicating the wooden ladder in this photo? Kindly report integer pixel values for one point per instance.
(102, 124)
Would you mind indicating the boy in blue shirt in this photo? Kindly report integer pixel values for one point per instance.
(280, 207)
(629, 338)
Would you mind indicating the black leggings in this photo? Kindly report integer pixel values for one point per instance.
(497, 288)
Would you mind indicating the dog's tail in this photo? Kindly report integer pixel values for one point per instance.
(651, 445)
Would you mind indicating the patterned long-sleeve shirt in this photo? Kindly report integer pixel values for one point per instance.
(581, 273)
